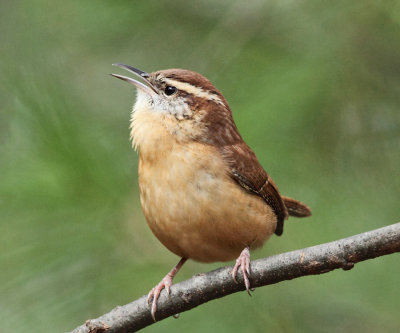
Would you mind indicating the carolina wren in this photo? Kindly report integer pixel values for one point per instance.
(203, 192)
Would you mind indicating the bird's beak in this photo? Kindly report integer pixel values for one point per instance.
(147, 88)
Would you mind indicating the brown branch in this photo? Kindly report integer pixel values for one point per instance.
(201, 288)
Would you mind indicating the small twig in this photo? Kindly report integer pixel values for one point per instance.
(201, 288)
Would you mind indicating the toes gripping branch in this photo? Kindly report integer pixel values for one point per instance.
(165, 283)
(243, 262)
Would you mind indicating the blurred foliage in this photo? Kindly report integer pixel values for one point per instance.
(314, 87)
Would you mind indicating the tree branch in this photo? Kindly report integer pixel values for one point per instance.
(201, 288)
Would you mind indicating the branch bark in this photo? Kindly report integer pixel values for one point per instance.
(201, 288)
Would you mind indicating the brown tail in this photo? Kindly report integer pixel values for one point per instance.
(296, 208)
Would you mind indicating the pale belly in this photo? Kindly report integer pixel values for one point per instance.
(197, 211)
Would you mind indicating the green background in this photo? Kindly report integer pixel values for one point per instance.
(315, 90)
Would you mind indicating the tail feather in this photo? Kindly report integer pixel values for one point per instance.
(296, 208)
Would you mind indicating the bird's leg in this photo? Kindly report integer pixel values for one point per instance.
(166, 283)
(244, 263)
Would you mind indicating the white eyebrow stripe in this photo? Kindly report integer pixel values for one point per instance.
(196, 91)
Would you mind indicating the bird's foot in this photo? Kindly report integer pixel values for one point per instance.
(243, 262)
(166, 284)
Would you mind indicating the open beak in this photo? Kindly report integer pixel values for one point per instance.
(149, 88)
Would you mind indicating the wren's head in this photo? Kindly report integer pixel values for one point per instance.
(184, 103)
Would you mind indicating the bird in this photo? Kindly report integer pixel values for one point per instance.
(203, 192)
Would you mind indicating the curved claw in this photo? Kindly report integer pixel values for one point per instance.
(154, 294)
(165, 283)
(243, 262)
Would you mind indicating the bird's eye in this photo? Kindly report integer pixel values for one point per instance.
(169, 90)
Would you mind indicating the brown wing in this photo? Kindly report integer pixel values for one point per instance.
(247, 171)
